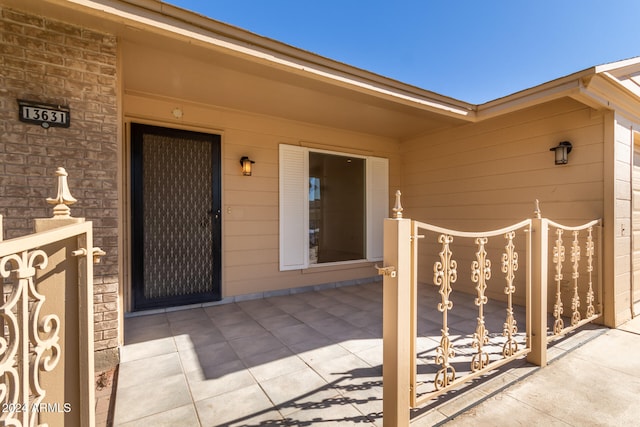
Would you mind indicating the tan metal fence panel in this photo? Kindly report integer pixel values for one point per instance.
(576, 298)
(474, 347)
(431, 351)
(46, 349)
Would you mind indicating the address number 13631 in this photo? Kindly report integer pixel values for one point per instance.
(45, 115)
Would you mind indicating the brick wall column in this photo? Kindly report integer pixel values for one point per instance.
(53, 62)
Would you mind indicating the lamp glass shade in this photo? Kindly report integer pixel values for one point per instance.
(246, 166)
(561, 152)
(561, 155)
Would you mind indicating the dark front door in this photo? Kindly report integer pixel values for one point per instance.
(175, 200)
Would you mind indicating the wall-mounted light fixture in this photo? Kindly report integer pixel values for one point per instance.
(246, 165)
(562, 152)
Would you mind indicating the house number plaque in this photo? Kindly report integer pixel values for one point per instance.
(45, 115)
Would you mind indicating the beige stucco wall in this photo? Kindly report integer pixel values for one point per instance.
(250, 204)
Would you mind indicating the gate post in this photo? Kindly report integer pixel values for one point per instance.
(539, 272)
(75, 384)
(61, 211)
(396, 319)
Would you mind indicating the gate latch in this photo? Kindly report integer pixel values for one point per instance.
(97, 253)
(386, 271)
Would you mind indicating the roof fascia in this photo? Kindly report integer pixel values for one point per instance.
(609, 93)
(596, 87)
(627, 66)
(571, 85)
(166, 19)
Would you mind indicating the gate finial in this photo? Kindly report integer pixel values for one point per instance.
(397, 209)
(63, 198)
(538, 212)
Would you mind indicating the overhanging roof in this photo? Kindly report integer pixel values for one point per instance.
(614, 86)
(281, 80)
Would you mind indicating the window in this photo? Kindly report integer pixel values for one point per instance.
(332, 207)
(337, 208)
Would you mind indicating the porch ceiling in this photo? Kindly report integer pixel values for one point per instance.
(193, 73)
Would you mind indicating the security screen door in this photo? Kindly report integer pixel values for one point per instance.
(175, 200)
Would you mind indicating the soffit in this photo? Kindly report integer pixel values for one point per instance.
(194, 74)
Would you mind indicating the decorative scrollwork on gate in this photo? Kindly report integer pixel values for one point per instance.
(589, 253)
(466, 351)
(575, 260)
(480, 273)
(30, 345)
(558, 259)
(444, 275)
(509, 268)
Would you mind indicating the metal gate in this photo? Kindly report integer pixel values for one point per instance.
(539, 278)
(46, 322)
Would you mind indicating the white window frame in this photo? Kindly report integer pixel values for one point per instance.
(294, 206)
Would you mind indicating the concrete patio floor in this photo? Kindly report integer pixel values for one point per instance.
(593, 379)
(315, 358)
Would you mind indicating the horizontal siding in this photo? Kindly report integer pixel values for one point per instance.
(250, 204)
(508, 157)
(239, 285)
(257, 256)
(490, 174)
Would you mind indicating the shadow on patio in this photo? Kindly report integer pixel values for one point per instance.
(312, 358)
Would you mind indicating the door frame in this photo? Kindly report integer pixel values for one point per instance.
(136, 129)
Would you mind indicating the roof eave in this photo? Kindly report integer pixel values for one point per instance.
(171, 21)
(570, 85)
(607, 91)
(159, 17)
(580, 86)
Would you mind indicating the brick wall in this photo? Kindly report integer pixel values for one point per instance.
(53, 62)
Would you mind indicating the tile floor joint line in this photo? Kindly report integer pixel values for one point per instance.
(629, 332)
(241, 360)
(193, 401)
(485, 398)
(597, 334)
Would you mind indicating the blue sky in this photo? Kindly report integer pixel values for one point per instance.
(472, 50)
